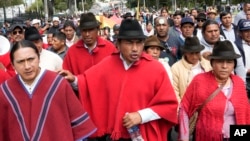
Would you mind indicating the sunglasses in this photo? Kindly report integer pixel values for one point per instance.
(200, 20)
(19, 32)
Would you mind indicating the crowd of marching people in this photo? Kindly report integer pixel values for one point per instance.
(72, 79)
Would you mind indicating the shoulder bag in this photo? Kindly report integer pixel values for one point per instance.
(194, 117)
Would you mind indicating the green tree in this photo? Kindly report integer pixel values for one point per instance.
(7, 3)
(60, 6)
(36, 6)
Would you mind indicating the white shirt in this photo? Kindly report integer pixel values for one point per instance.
(240, 15)
(246, 48)
(147, 114)
(50, 60)
(197, 69)
(199, 34)
(126, 66)
(165, 64)
(30, 88)
(230, 35)
(90, 49)
(146, 33)
(69, 43)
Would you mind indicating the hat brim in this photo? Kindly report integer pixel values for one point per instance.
(150, 45)
(187, 23)
(132, 37)
(235, 56)
(243, 29)
(197, 48)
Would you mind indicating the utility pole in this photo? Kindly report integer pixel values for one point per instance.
(82, 6)
(4, 12)
(46, 10)
(37, 6)
(157, 4)
(144, 6)
(75, 7)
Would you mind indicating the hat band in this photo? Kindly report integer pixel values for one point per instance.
(88, 24)
(224, 53)
(154, 43)
(132, 33)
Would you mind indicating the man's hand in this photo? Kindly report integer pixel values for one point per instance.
(67, 75)
(206, 54)
(131, 119)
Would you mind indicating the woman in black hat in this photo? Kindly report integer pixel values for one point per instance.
(229, 104)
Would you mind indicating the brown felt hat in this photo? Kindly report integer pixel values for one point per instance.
(152, 41)
(212, 11)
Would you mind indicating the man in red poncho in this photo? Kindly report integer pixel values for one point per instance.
(126, 89)
(88, 51)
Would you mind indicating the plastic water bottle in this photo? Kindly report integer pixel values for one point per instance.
(135, 134)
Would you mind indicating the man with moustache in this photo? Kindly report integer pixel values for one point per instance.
(17, 33)
(89, 50)
(227, 28)
(167, 40)
(210, 35)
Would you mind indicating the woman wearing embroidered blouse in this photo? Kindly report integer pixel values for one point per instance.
(229, 107)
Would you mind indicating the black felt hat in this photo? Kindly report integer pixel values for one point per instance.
(126, 15)
(130, 29)
(32, 34)
(223, 50)
(192, 44)
(201, 16)
(88, 21)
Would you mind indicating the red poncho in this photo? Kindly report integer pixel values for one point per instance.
(5, 60)
(78, 59)
(210, 120)
(108, 91)
(51, 113)
(3, 76)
